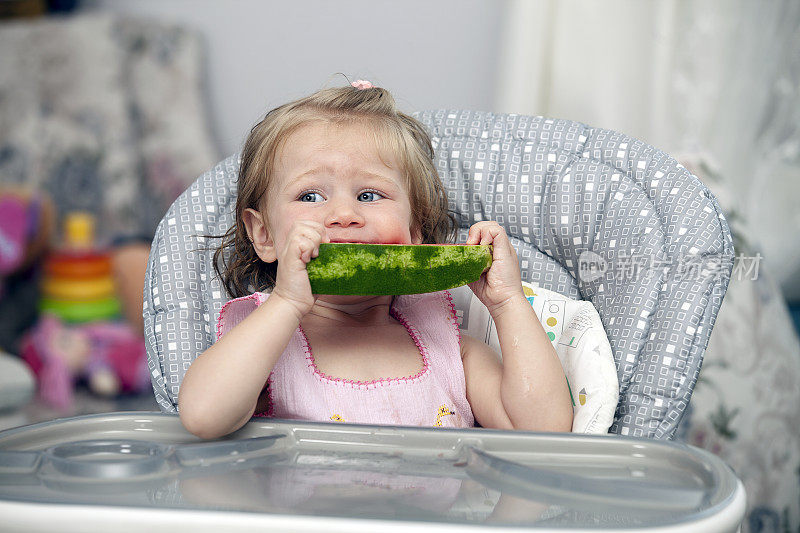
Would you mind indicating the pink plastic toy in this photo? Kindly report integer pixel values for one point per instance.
(109, 355)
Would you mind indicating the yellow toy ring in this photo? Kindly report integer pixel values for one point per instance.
(78, 289)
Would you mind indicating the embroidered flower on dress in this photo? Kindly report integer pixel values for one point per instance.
(443, 412)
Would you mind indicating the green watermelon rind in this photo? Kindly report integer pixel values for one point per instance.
(391, 269)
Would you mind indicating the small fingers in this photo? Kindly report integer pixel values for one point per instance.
(307, 247)
(304, 240)
(485, 233)
(474, 236)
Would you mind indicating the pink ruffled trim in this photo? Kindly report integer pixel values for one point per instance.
(259, 299)
(357, 384)
(219, 321)
(453, 314)
(255, 296)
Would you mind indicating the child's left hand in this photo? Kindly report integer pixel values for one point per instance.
(502, 283)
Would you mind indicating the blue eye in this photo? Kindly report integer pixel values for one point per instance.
(369, 196)
(311, 197)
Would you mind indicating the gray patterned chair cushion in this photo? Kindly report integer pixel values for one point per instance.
(593, 214)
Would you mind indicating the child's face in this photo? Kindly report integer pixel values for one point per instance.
(335, 175)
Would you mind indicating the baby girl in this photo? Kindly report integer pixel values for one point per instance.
(344, 165)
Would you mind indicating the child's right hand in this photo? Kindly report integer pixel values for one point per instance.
(291, 284)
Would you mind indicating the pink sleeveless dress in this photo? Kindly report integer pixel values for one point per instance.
(435, 396)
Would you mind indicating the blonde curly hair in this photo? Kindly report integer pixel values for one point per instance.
(236, 262)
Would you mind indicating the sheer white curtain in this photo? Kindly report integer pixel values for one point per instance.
(716, 81)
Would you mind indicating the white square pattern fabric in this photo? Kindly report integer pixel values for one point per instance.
(593, 214)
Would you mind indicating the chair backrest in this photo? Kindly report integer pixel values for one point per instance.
(593, 214)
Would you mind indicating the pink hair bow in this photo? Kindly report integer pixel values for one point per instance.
(362, 84)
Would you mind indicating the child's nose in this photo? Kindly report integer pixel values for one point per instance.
(344, 214)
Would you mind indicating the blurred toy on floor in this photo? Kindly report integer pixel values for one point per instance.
(108, 356)
(80, 336)
(78, 285)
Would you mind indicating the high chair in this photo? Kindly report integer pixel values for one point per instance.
(593, 214)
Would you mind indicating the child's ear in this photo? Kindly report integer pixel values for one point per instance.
(258, 232)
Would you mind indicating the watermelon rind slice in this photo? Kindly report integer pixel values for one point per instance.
(393, 269)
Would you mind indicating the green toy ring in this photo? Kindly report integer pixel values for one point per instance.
(77, 311)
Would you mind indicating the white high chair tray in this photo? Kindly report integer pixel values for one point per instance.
(144, 472)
